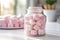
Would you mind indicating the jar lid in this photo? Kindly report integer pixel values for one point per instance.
(35, 9)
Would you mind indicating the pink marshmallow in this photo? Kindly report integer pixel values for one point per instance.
(27, 23)
(10, 25)
(38, 23)
(15, 23)
(33, 32)
(42, 26)
(36, 27)
(42, 17)
(0, 23)
(21, 23)
(29, 18)
(7, 19)
(28, 32)
(36, 17)
(3, 24)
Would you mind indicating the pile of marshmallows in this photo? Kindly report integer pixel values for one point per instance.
(35, 25)
(11, 22)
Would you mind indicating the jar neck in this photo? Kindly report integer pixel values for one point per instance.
(35, 12)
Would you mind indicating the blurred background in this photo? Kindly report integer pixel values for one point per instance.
(18, 7)
(12, 7)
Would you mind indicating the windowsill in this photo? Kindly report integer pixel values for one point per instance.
(52, 29)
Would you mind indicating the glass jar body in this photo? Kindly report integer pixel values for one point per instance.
(34, 23)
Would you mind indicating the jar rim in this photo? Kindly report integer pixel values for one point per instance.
(35, 9)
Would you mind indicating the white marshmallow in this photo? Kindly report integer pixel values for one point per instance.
(41, 32)
(28, 27)
(31, 22)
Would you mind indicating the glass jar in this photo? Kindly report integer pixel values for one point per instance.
(34, 22)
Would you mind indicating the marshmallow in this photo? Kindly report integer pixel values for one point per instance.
(36, 27)
(20, 26)
(16, 25)
(21, 22)
(42, 17)
(7, 19)
(10, 25)
(0, 23)
(31, 22)
(36, 17)
(3, 24)
(28, 27)
(28, 32)
(27, 23)
(41, 32)
(14, 22)
(31, 17)
(38, 23)
(41, 23)
(42, 26)
(33, 32)
(27, 18)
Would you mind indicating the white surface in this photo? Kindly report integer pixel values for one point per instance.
(11, 35)
(53, 29)
(46, 37)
